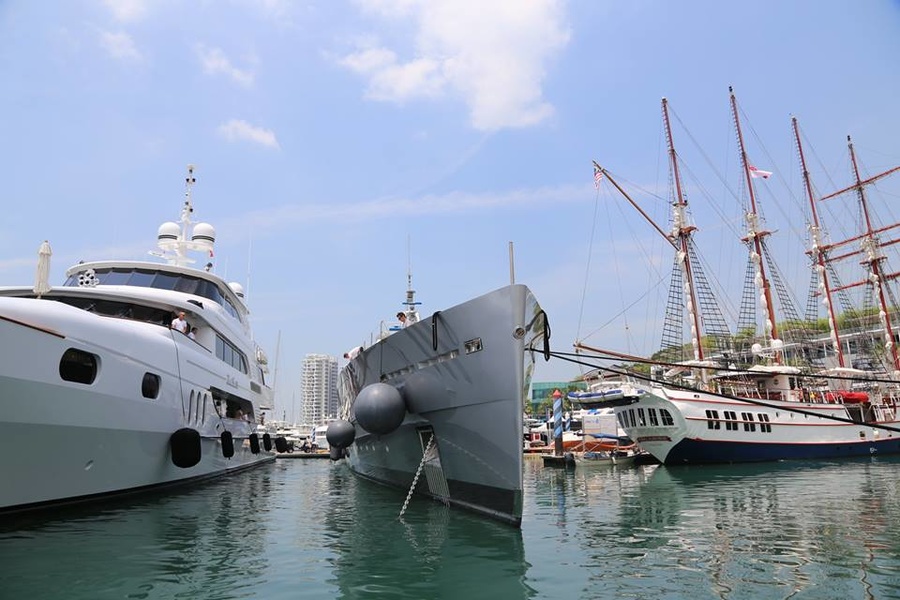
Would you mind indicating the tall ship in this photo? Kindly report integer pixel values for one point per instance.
(435, 406)
(746, 397)
(130, 376)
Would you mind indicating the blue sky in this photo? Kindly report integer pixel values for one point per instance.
(338, 142)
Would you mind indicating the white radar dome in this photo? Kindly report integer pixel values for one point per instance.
(167, 235)
(204, 235)
(237, 288)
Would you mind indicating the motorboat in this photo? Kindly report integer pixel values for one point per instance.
(102, 396)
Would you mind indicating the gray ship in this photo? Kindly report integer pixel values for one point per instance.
(435, 405)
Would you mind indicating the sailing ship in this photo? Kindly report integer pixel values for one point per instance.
(443, 396)
(707, 409)
(102, 397)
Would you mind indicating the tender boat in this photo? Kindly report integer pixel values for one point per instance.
(101, 396)
(442, 397)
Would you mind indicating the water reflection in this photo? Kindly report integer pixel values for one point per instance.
(181, 543)
(433, 552)
(802, 529)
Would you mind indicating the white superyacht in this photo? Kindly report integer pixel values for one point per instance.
(101, 396)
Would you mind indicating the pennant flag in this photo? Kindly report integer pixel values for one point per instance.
(757, 173)
(598, 175)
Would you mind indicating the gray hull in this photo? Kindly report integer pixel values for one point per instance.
(463, 374)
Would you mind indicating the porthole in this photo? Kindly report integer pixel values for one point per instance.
(150, 386)
(78, 366)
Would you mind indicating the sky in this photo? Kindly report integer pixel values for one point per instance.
(341, 145)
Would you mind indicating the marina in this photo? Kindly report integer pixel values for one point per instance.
(819, 530)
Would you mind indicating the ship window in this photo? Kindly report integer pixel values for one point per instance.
(749, 425)
(764, 425)
(730, 420)
(141, 278)
(666, 417)
(623, 421)
(712, 420)
(641, 420)
(164, 281)
(117, 277)
(78, 366)
(231, 355)
(654, 421)
(150, 386)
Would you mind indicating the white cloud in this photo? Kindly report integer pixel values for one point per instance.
(237, 130)
(127, 10)
(120, 46)
(214, 62)
(492, 54)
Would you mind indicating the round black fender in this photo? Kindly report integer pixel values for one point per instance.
(267, 442)
(379, 408)
(185, 447)
(227, 444)
(340, 433)
(254, 443)
(281, 444)
(335, 453)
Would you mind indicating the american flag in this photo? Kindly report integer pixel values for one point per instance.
(598, 175)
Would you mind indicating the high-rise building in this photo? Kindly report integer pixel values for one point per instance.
(319, 388)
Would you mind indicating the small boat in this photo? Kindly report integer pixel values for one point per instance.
(103, 396)
(613, 450)
(442, 397)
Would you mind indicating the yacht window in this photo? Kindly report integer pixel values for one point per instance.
(666, 417)
(78, 366)
(117, 277)
(141, 278)
(150, 386)
(164, 281)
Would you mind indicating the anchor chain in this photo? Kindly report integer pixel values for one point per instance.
(416, 478)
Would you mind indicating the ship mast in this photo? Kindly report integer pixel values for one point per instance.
(870, 246)
(681, 231)
(754, 239)
(818, 251)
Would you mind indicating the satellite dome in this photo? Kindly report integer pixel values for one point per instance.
(204, 235)
(167, 235)
(237, 288)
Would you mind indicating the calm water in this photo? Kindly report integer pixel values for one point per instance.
(310, 529)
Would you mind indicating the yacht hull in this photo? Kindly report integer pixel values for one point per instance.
(67, 441)
(463, 374)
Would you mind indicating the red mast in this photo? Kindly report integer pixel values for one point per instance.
(871, 248)
(755, 236)
(818, 251)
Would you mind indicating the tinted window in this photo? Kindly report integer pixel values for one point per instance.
(78, 366)
(150, 386)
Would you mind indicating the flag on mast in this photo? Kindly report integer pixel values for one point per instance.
(598, 175)
(758, 173)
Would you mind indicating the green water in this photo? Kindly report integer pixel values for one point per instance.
(310, 529)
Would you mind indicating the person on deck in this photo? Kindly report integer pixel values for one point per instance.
(179, 323)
